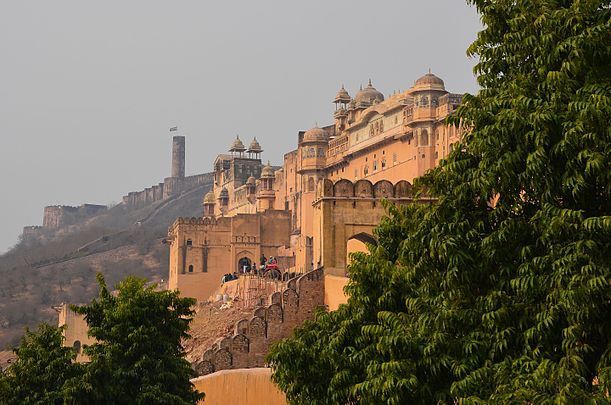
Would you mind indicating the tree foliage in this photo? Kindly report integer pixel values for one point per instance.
(463, 302)
(43, 372)
(138, 357)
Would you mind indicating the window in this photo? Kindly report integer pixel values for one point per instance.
(77, 346)
(383, 163)
(375, 165)
(189, 242)
(311, 184)
(451, 147)
(394, 158)
(436, 155)
(424, 137)
(365, 170)
(190, 268)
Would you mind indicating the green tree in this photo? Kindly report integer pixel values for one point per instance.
(462, 301)
(138, 357)
(43, 372)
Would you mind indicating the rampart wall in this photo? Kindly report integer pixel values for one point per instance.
(171, 186)
(58, 216)
(245, 387)
(250, 342)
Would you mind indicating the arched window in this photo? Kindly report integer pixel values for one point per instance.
(77, 346)
(311, 184)
(190, 268)
(424, 137)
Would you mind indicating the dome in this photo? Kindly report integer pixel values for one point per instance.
(267, 171)
(429, 82)
(209, 198)
(315, 134)
(237, 145)
(368, 96)
(251, 181)
(342, 96)
(224, 193)
(255, 147)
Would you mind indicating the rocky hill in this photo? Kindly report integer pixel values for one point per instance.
(59, 265)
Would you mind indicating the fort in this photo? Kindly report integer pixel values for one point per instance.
(61, 216)
(323, 202)
(307, 215)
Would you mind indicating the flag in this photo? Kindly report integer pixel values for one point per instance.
(173, 129)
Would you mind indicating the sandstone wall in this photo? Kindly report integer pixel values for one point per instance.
(251, 339)
(245, 387)
(170, 187)
(58, 216)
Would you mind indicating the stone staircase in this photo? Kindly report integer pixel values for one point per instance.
(251, 339)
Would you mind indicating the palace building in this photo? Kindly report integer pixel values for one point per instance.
(323, 202)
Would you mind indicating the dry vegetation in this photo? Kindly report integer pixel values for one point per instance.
(37, 275)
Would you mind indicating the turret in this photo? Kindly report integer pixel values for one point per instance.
(223, 201)
(342, 98)
(237, 147)
(266, 195)
(178, 157)
(251, 185)
(254, 150)
(209, 203)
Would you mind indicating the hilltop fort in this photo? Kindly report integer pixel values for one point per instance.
(58, 217)
(304, 217)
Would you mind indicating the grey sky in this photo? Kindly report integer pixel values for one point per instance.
(88, 90)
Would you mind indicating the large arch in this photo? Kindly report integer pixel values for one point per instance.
(348, 218)
(358, 243)
(365, 238)
(243, 256)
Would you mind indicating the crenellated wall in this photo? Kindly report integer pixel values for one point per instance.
(171, 186)
(250, 342)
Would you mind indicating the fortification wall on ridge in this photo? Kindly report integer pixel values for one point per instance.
(171, 186)
(58, 216)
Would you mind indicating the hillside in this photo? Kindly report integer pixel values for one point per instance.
(60, 266)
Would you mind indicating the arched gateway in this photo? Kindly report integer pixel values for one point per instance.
(345, 211)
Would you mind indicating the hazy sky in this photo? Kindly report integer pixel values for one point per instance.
(88, 90)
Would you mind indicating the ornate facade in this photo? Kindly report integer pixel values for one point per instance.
(374, 149)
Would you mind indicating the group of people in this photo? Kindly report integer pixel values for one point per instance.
(267, 268)
(228, 277)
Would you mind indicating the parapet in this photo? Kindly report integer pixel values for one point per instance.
(252, 337)
(364, 189)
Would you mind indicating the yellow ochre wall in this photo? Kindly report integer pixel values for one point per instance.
(252, 386)
(334, 291)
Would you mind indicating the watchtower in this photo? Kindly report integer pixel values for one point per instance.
(178, 157)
